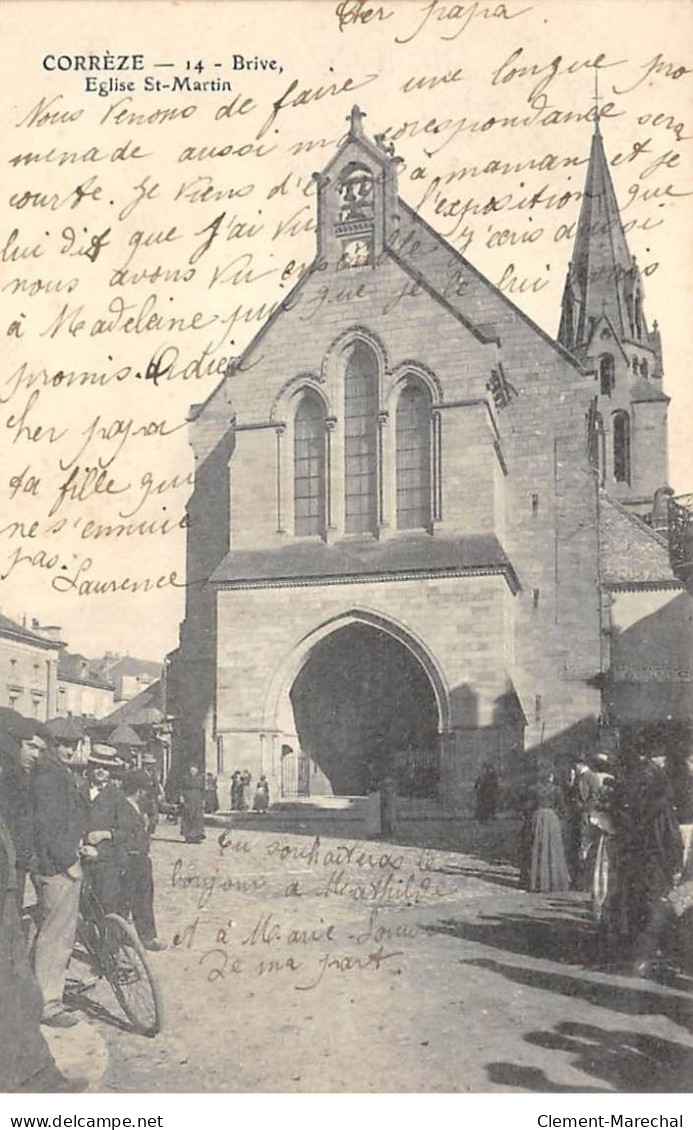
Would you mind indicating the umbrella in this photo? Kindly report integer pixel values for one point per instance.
(10, 717)
(17, 726)
(125, 735)
(65, 729)
(11, 722)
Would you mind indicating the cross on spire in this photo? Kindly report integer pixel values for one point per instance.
(596, 98)
(355, 119)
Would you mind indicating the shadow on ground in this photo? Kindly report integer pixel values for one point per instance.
(632, 999)
(94, 1010)
(568, 937)
(625, 1061)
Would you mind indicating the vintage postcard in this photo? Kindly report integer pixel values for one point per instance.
(346, 530)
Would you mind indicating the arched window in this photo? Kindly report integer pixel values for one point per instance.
(638, 317)
(644, 369)
(413, 458)
(361, 441)
(606, 374)
(309, 466)
(621, 447)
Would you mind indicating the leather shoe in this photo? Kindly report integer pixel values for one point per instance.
(61, 1020)
(155, 945)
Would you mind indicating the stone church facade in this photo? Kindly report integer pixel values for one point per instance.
(413, 510)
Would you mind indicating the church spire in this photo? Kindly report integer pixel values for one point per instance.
(603, 278)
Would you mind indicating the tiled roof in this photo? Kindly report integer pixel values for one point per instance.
(646, 390)
(114, 667)
(76, 668)
(11, 628)
(142, 707)
(460, 284)
(631, 553)
(356, 558)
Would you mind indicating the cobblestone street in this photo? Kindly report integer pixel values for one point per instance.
(298, 963)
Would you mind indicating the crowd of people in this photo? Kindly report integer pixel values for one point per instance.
(241, 781)
(62, 825)
(619, 828)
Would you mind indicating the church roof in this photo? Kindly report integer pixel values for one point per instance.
(474, 297)
(356, 559)
(645, 390)
(632, 554)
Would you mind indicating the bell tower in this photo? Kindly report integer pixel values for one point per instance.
(603, 323)
(357, 201)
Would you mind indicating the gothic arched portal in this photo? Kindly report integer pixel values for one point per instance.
(364, 709)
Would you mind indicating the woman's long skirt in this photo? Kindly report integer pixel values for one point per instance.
(549, 870)
(192, 822)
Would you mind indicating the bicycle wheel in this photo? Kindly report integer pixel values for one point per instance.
(130, 976)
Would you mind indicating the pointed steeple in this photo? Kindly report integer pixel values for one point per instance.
(603, 278)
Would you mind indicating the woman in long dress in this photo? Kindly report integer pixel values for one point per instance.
(548, 870)
(236, 791)
(211, 794)
(261, 799)
(192, 819)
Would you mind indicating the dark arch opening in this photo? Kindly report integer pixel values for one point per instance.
(364, 709)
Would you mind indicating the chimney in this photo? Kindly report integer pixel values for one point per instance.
(50, 631)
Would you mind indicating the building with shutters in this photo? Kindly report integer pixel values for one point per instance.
(417, 538)
(29, 659)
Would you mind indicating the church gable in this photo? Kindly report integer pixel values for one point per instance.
(388, 308)
(525, 346)
(602, 337)
(406, 320)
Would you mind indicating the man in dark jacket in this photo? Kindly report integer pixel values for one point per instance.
(60, 818)
(21, 742)
(102, 871)
(118, 818)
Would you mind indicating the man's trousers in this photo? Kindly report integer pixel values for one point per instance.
(58, 901)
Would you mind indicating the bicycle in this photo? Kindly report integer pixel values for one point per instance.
(116, 953)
